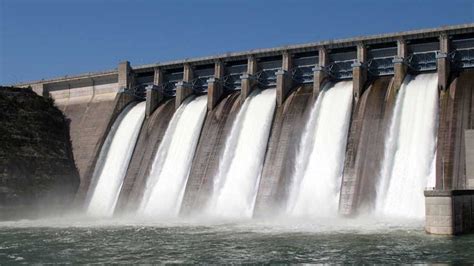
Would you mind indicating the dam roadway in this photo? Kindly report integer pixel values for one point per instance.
(375, 65)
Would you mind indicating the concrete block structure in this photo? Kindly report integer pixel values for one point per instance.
(443, 62)
(215, 86)
(154, 93)
(449, 212)
(359, 71)
(184, 87)
(400, 66)
(319, 72)
(284, 79)
(248, 79)
(469, 148)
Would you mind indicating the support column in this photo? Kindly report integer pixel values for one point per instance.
(399, 64)
(183, 88)
(248, 79)
(125, 81)
(443, 62)
(215, 88)
(124, 75)
(359, 71)
(40, 89)
(154, 93)
(319, 72)
(284, 79)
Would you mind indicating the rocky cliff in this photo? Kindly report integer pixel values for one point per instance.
(37, 170)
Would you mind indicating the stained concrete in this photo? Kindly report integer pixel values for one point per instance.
(91, 111)
(288, 126)
(151, 135)
(456, 115)
(365, 147)
(449, 212)
(469, 148)
(217, 127)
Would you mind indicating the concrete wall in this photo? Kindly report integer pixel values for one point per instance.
(365, 146)
(456, 116)
(90, 106)
(469, 148)
(151, 135)
(449, 212)
(438, 213)
(216, 128)
(288, 126)
(89, 110)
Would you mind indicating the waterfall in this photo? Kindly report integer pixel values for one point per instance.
(409, 159)
(319, 164)
(170, 169)
(114, 159)
(236, 183)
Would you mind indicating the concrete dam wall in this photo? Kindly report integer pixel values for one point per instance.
(310, 150)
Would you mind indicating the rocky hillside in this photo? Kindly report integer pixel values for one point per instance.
(37, 170)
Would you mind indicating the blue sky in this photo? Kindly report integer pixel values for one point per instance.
(49, 38)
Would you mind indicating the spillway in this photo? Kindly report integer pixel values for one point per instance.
(409, 160)
(152, 133)
(236, 183)
(319, 163)
(287, 127)
(211, 145)
(114, 159)
(166, 183)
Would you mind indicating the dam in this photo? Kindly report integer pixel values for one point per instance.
(378, 125)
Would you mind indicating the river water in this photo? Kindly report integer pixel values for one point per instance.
(78, 240)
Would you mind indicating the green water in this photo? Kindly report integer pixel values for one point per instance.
(75, 240)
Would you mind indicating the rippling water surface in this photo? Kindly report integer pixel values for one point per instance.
(78, 240)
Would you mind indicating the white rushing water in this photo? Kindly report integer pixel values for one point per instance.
(170, 170)
(409, 159)
(319, 164)
(236, 183)
(114, 160)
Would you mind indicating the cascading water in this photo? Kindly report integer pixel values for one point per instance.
(170, 170)
(320, 160)
(236, 183)
(409, 158)
(114, 159)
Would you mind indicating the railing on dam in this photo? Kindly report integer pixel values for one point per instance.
(380, 60)
(463, 54)
(463, 58)
(266, 76)
(304, 63)
(233, 71)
